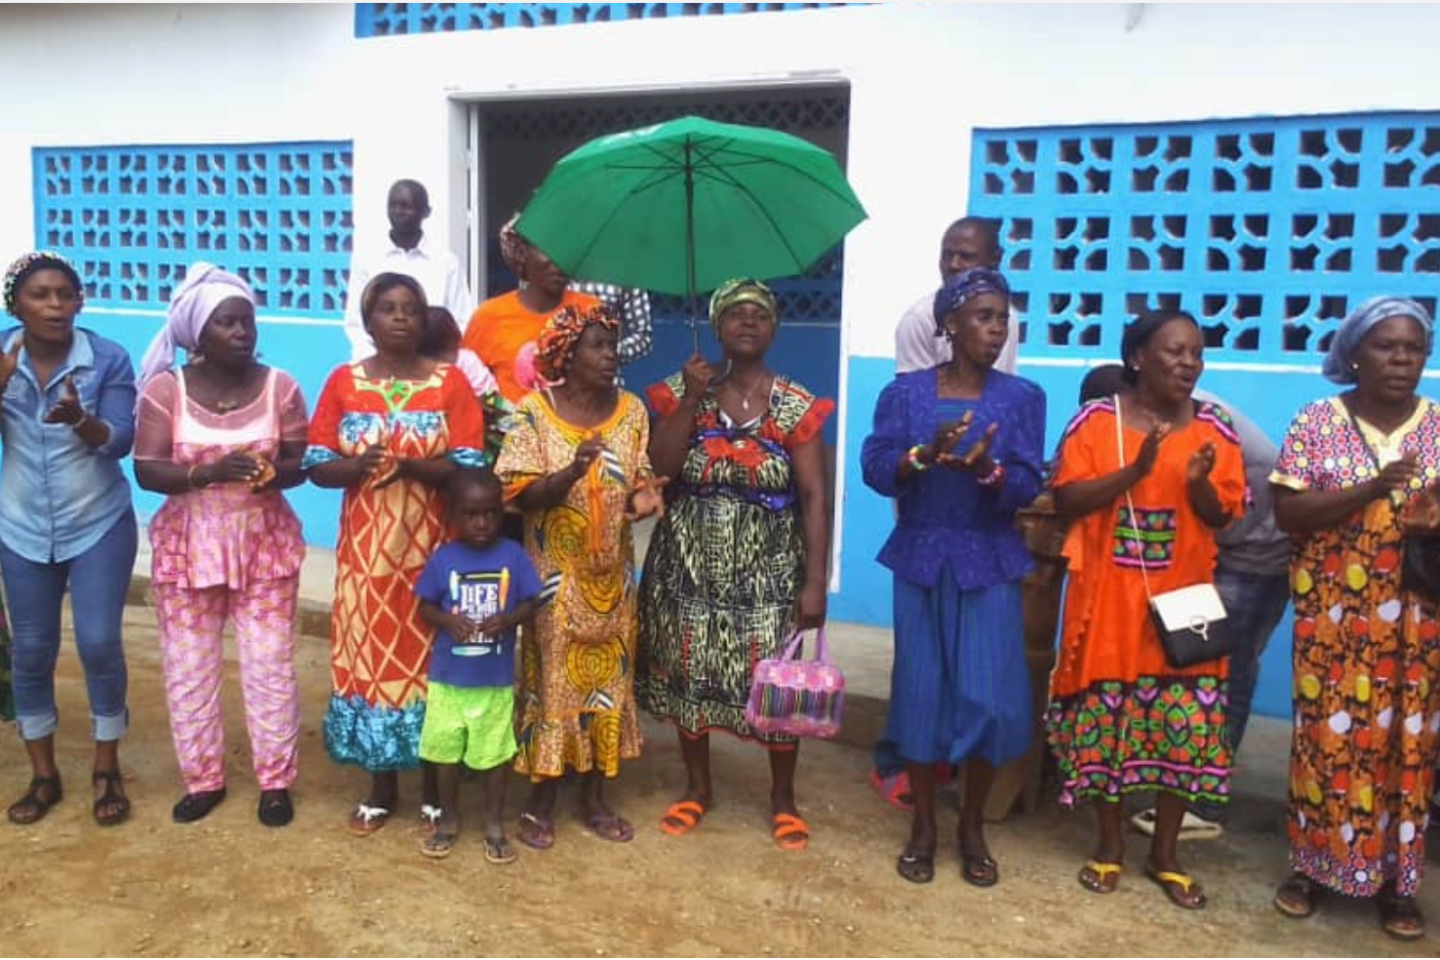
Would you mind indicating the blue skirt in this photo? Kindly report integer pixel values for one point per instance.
(960, 687)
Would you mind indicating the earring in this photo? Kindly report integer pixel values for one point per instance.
(1354, 366)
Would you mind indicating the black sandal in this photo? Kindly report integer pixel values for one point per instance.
(276, 810)
(916, 867)
(980, 870)
(111, 808)
(1298, 896)
(43, 793)
(1399, 916)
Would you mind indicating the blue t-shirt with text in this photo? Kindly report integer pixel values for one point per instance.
(478, 584)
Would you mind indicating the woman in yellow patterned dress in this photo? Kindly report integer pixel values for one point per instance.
(574, 461)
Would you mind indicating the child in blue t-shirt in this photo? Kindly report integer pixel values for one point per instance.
(474, 592)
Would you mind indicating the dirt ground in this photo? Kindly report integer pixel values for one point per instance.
(229, 887)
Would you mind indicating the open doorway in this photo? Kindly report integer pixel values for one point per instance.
(518, 141)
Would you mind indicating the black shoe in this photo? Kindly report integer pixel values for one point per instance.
(276, 810)
(196, 806)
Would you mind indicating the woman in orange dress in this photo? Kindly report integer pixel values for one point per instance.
(503, 328)
(575, 462)
(389, 430)
(1121, 719)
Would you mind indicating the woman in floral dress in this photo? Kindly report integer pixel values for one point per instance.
(1356, 473)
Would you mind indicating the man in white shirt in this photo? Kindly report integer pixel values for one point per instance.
(967, 243)
(410, 253)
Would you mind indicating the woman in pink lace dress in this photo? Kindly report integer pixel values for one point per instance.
(222, 436)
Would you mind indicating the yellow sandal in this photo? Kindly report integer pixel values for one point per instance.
(1098, 876)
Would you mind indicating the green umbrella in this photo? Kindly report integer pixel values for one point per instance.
(683, 206)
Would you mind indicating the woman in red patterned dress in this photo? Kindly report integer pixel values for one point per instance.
(388, 430)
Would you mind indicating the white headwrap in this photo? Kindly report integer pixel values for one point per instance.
(205, 287)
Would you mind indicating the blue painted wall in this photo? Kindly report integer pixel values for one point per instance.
(308, 353)
(1270, 399)
(809, 354)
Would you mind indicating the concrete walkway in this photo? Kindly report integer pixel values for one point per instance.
(227, 886)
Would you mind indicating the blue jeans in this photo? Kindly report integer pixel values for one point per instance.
(98, 581)
(1254, 604)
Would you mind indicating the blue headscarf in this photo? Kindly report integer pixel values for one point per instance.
(966, 286)
(1362, 320)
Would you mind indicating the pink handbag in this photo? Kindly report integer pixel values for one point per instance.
(799, 698)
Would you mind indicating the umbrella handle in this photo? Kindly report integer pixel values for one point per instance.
(690, 247)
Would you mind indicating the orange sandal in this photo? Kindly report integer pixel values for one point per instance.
(789, 832)
(681, 817)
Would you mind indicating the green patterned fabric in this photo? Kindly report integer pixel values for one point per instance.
(1158, 733)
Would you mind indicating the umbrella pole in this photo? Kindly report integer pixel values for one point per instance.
(690, 248)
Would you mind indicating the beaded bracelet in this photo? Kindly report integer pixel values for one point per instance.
(994, 478)
(913, 458)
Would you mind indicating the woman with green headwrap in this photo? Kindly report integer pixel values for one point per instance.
(737, 564)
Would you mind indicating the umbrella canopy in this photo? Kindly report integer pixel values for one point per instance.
(683, 206)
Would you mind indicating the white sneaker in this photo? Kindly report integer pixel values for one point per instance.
(1192, 826)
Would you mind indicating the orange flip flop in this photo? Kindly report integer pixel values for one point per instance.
(681, 817)
(789, 832)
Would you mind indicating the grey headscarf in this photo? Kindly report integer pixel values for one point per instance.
(1361, 321)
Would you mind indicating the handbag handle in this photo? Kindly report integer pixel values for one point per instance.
(795, 646)
(1134, 528)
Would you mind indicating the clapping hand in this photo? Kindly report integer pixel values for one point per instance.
(978, 456)
(1397, 474)
(379, 467)
(950, 434)
(1150, 449)
(264, 474)
(67, 409)
(1201, 462)
(646, 499)
(231, 468)
(586, 454)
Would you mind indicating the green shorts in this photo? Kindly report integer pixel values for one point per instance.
(470, 725)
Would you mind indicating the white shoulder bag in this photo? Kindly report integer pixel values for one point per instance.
(1191, 621)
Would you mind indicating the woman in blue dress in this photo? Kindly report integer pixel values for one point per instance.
(960, 447)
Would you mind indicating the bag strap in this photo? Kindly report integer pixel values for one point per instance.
(1364, 440)
(822, 646)
(794, 646)
(1134, 526)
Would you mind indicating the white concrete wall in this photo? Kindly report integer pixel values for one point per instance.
(921, 76)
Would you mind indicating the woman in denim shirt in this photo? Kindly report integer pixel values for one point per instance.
(67, 419)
